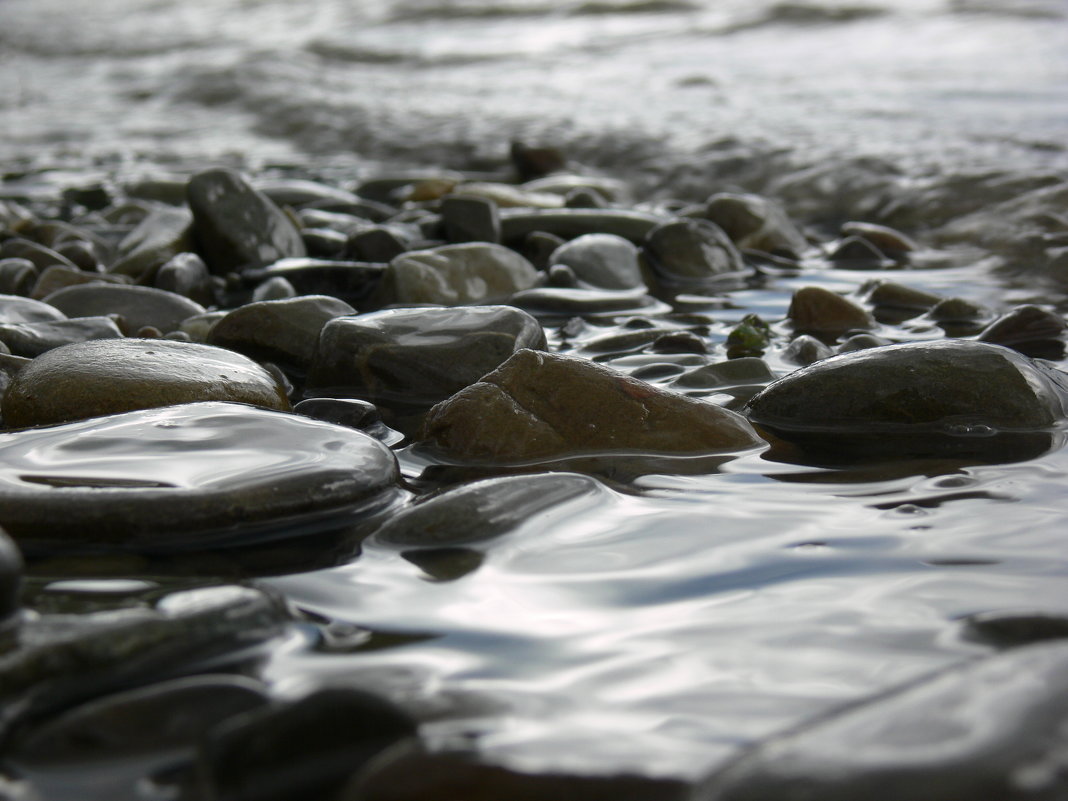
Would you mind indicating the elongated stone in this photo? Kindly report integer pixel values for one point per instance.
(139, 306)
(109, 376)
(33, 339)
(457, 274)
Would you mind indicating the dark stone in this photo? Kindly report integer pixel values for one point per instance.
(416, 357)
(806, 349)
(566, 302)
(33, 339)
(56, 278)
(815, 310)
(679, 342)
(162, 235)
(16, 309)
(17, 276)
(187, 275)
(917, 399)
(484, 510)
(991, 729)
(304, 749)
(540, 406)
(601, 261)
(470, 219)
(1029, 329)
(476, 272)
(139, 306)
(352, 282)
(584, 198)
(109, 376)
(688, 253)
(744, 371)
(891, 242)
(10, 579)
(539, 246)
(890, 295)
(324, 243)
(165, 717)
(957, 309)
(374, 245)
(536, 162)
(351, 413)
(755, 223)
(84, 255)
(282, 331)
(1013, 629)
(184, 477)
(862, 342)
(37, 254)
(570, 223)
(857, 253)
(274, 288)
(235, 227)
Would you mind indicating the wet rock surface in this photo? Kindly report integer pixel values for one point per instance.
(991, 729)
(948, 396)
(10, 579)
(101, 377)
(458, 274)
(184, 475)
(139, 306)
(540, 406)
(417, 357)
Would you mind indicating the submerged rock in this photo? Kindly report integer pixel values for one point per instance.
(992, 729)
(108, 376)
(417, 357)
(10, 579)
(283, 331)
(541, 406)
(183, 476)
(916, 399)
(235, 226)
(140, 306)
(457, 274)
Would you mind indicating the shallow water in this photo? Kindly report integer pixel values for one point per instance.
(657, 625)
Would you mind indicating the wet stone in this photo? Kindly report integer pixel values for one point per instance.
(301, 192)
(282, 331)
(84, 255)
(416, 357)
(585, 198)
(856, 253)
(890, 295)
(458, 274)
(350, 281)
(128, 723)
(688, 253)
(17, 276)
(755, 223)
(917, 399)
(65, 658)
(187, 275)
(484, 510)
(152, 479)
(304, 749)
(470, 219)
(109, 376)
(602, 261)
(351, 413)
(571, 223)
(538, 247)
(734, 372)
(815, 310)
(324, 243)
(994, 728)
(138, 305)
(1013, 629)
(38, 255)
(889, 241)
(862, 342)
(15, 309)
(540, 406)
(563, 301)
(161, 236)
(10, 579)
(236, 227)
(375, 245)
(679, 342)
(275, 288)
(55, 278)
(1027, 329)
(33, 339)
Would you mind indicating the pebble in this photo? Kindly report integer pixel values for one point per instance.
(128, 723)
(755, 223)
(571, 223)
(470, 219)
(485, 510)
(352, 413)
(603, 261)
(744, 371)
(408, 358)
(187, 275)
(306, 748)
(236, 227)
(457, 274)
(17, 276)
(375, 245)
(589, 303)
(889, 241)
(891, 295)
(139, 306)
(56, 278)
(540, 406)
(33, 339)
(162, 235)
(992, 728)
(109, 376)
(806, 349)
(563, 184)
(274, 288)
(352, 282)
(916, 399)
(40, 256)
(10, 579)
(815, 310)
(862, 342)
(857, 253)
(1011, 629)
(687, 253)
(281, 331)
(183, 477)
(1025, 327)
(299, 192)
(16, 309)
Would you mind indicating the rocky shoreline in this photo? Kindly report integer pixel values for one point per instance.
(211, 378)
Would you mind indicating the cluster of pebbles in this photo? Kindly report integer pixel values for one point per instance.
(194, 371)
